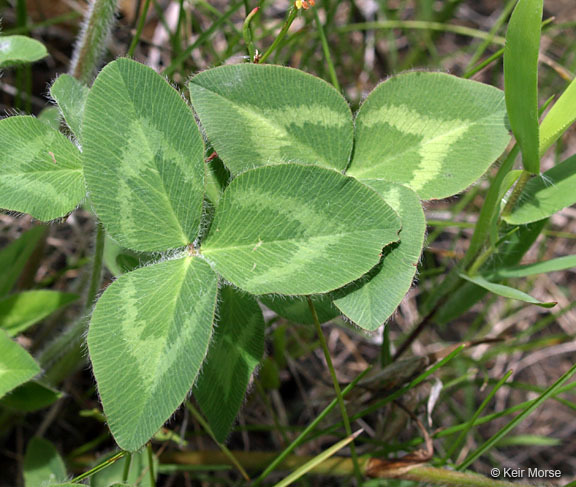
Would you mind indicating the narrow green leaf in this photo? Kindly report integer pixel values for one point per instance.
(31, 396)
(40, 169)
(552, 265)
(506, 291)
(294, 229)
(370, 301)
(280, 115)
(559, 118)
(432, 132)
(70, 94)
(521, 78)
(512, 251)
(16, 50)
(22, 310)
(43, 464)
(16, 364)
(147, 339)
(14, 256)
(546, 194)
(235, 351)
(143, 157)
(297, 310)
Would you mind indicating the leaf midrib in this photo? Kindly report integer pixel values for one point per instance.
(314, 237)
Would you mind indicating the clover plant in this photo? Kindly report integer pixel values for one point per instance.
(258, 187)
(318, 202)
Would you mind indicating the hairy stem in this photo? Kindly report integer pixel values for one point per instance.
(516, 192)
(92, 40)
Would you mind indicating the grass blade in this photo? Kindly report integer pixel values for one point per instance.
(298, 441)
(294, 476)
(506, 291)
(521, 78)
(517, 420)
(456, 444)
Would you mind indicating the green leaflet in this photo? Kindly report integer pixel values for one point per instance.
(432, 132)
(148, 336)
(235, 351)
(505, 291)
(71, 96)
(256, 115)
(296, 308)
(16, 365)
(20, 49)
(22, 310)
(559, 118)
(546, 194)
(521, 78)
(370, 301)
(40, 169)
(143, 157)
(43, 465)
(294, 229)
